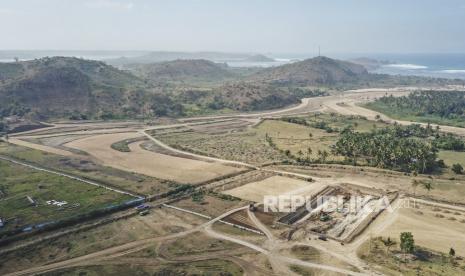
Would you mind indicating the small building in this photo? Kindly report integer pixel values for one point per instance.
(2, 223)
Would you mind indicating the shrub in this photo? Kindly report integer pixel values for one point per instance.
(457, 168)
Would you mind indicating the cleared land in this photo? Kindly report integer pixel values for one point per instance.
(274, 186)
(149, 163)
(432, 227)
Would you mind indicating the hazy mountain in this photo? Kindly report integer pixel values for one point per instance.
(315, 71)
(259, 58)
(193, 70)
(161, 56)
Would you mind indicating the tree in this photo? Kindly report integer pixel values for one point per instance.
(198, 197)
(407, 243)
(323, 155)
(427, 185)
(415, 184)
(309, 152)
(457, 168)
(388, 243)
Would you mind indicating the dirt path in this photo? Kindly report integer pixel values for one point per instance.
(120, 250)
(150, 163)
(284, 259)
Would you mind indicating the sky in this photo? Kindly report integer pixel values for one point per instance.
(262, 26)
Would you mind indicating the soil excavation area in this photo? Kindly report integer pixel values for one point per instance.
(149, 163)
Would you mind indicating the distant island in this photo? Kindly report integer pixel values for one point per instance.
(259, 58)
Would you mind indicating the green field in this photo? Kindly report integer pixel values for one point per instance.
(18, 182)
(137, 183)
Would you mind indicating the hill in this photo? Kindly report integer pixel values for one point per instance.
(314, 72)
(195, 70)
(62, 87)
(161, 56)
(259, 58)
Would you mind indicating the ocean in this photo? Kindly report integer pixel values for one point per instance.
(432, 65)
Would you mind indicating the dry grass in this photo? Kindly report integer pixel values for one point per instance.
(430, 230)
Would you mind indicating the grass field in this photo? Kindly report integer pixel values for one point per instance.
(18, 182)
(247, 146)
(134, 182)
(452, 157)
(206, 267)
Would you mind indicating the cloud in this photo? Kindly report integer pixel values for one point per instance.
(110, 4)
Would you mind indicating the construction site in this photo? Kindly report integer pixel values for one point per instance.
(192, 196)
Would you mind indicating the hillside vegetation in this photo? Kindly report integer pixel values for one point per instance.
(62, 87)
(315, 71)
